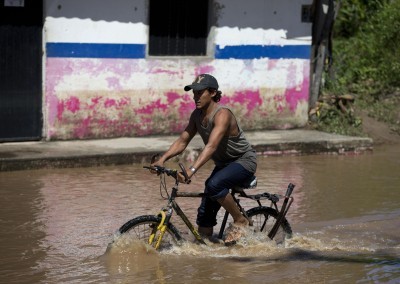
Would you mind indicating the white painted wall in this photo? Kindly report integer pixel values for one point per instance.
(77, 30)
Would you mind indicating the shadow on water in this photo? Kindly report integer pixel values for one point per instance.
(379, 257)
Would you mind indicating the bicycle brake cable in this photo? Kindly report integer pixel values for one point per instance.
(163, 185)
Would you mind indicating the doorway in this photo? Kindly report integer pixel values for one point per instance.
(21, 24)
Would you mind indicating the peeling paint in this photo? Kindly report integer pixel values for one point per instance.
(204, 70)
(114, 97)
(72, 104)
(251, 99)
(78, 113)
(172, 97)
(294, 95)
(152, 107)
(114, 83)
(109, 103)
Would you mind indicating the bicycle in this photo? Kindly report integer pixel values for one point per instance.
(158, 231)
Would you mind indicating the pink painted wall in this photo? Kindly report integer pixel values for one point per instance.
(99, 98)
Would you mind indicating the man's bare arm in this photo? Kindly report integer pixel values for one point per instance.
(221, 126)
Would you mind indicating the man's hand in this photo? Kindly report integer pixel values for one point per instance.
(181, 176)
(157, 163)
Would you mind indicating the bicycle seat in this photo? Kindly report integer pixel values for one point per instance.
(247, 184)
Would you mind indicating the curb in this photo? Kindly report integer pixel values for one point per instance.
(355, 146)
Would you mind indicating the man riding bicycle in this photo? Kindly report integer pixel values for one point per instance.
(235, 160)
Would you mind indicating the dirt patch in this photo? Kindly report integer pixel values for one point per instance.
(378, 131)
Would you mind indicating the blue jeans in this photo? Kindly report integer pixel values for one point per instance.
(217, 186)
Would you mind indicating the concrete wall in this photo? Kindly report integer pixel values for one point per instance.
(100, 82)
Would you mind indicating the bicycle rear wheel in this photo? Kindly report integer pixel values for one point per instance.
(140, 228)
(264, 219)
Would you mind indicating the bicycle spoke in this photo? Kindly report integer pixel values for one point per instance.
(264, 219)
(142, 227)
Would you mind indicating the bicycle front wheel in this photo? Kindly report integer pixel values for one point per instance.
(140, 228)
(264, 218)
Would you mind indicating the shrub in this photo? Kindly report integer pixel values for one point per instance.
(366, 54)
(369, 62)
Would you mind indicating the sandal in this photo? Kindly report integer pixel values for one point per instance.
(233, 234)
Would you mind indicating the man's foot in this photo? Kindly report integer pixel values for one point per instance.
(234, 233)
(214, 239)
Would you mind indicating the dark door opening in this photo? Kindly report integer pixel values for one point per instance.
(21, 24)
(178, 28)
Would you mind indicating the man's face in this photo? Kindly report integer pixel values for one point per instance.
(202, 98)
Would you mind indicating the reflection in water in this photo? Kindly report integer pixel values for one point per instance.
(21, 232)
(57, 224)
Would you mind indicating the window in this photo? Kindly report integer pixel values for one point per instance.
(178, 27)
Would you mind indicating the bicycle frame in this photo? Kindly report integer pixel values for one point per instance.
(166, 213)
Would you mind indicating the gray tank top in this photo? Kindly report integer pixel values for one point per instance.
(230, 149)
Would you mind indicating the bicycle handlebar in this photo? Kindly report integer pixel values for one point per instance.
(169, 172)
(162, 170)
(289, 189)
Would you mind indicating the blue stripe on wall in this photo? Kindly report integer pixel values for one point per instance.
(96, 50)
(104, 50)
(263, 51)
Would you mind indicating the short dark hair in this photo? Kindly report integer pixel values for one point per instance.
(217, 97)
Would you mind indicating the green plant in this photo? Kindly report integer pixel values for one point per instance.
(369, 62)
(331, 120)
(366, 54)
(354, 14)
(335, 114)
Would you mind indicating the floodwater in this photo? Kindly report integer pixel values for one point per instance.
(56, 225)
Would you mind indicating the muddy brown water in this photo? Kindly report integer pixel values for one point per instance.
(56, 225)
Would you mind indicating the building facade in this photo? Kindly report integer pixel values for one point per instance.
(118, 68)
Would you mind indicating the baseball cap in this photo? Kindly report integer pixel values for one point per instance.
(203, 81)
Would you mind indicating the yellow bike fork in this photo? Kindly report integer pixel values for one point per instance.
(162, 227)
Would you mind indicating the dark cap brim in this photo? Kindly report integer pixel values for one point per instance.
(195, 87)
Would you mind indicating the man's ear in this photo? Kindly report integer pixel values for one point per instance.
(212, 92)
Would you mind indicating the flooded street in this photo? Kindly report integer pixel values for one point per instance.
(56, 225)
